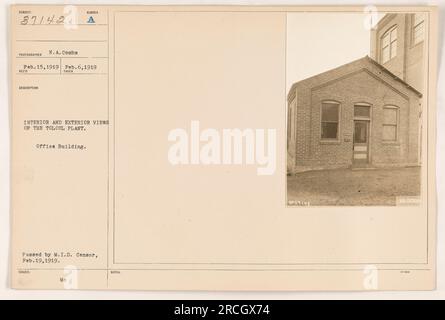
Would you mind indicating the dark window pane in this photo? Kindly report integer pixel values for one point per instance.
(360, 132)
(329, 130)
(362, 111)
(329, 112)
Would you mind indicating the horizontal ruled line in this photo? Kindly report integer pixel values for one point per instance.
(57, 40)
(219, 269)
(59, 74)
(63, 25)
(59, 57)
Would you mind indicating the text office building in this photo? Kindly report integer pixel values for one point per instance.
(364, 113)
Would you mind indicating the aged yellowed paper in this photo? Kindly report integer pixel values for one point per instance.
(223, 147)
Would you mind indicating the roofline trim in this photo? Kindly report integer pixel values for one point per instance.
(396, 78)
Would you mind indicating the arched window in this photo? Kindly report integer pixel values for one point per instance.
(330, 117)
(390, 123)
(389, 44)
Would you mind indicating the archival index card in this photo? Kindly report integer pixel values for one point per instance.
(223, 147)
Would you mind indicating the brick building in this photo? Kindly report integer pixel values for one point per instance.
(364, 113)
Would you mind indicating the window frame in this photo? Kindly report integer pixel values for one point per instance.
(388, 33)
(362, 104)
(337, 138)
(397, 110)
(413, 28)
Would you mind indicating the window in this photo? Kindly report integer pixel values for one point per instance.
(389, 45)
(418, 28)
(390, 115)
(329, 119)
(362, 111)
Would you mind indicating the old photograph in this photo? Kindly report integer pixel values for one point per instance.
(355, 108)
(222, 148)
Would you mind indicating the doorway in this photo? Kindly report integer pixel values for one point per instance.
(361, 142)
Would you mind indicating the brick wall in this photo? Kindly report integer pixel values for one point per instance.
(358, 82)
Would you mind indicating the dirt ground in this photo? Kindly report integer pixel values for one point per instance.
(349, 187)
